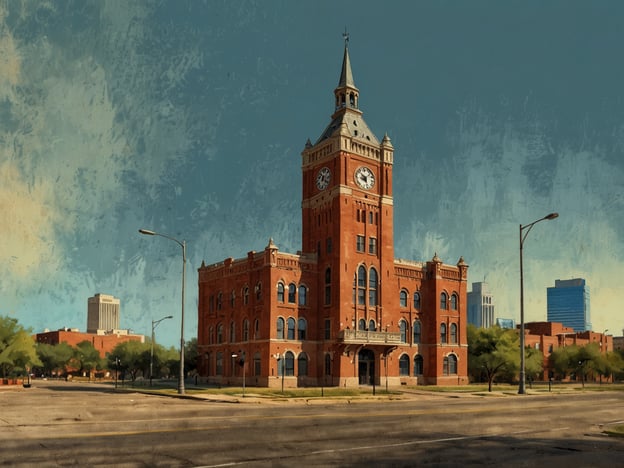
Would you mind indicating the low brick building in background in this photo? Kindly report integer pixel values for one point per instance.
(102, 342)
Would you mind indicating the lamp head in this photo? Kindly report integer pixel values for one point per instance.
(552, 216)
(147, 232)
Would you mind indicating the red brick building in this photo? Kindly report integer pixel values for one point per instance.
(343, 311)
(103, 343)
(548, 336)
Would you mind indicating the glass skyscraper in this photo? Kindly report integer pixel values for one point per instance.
(568, 303)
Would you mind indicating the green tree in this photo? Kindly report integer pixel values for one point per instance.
(492, 352)
(134, 358)
(86, 358)
(55, 358)
(191, 356)
(17, 348)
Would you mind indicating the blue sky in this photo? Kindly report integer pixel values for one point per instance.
(189, 117)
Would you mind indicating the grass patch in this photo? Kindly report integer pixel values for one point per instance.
(616, 431)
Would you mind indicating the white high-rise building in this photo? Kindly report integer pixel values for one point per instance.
(102, 313)
(480, 306)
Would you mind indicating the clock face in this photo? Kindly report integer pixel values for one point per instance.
(365, 178)
(322, 178)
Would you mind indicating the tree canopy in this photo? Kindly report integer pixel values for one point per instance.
(17, 348)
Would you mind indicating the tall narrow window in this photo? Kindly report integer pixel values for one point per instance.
(280, 328)
(372, 245)
(303, 296)
(327, 329)
(453, 301)
(404, 365)
(417, 332)
(403, 330)
(290, 363)
(443, 338)
(371, 325)
(292, 292)
(232, 332)
(245, 330)
(246, 295)
(417, 301)
(403, 298)
(219, 300)
(291, 328)
(328, 286)
(443, 301)
(302, 365)
(280, 292)
(219, 367)
(232, 298)
(256, 329)
(359, 244)
(418, 365)
(302, 326)
(361, 324)
(220, 333)
(258, 291)
(327, 364)
(361, 285)
(257, 364)
(328, 245)
(372, 287)
(453, 333)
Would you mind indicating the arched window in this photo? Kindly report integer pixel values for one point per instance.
(211, 335)
(418, 365)
(232, 332)
(328, 286)
(404, 365)
(280, 328)
(450, 365)
(403, 298)
(246, 295)
(219, 300)
(372, 287)
(361, 285)
(220, 333)
(280, 292)
(258, 289)
(292, 292)
(453, 333)
(443, 333)
(257, 361)
(303, 295)
(371, 325)
(453, 301)
(290, 363)
(302, 365)
(443, 301)
(219, 367)
(245, 330)
(417, 301)
(417, 332)
(302, 325)
(291, 329)
(403, 329)
(362, 324)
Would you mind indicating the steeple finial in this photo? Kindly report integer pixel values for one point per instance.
(345, 36)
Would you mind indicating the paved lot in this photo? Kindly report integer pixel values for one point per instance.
(72, 424)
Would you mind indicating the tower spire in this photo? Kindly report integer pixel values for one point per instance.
(346, 75)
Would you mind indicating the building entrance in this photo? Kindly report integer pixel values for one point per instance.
(366, 367)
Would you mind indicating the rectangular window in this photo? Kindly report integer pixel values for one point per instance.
(327, 329)
(372, 245)
(328, 247)
(327, 294)
(360, 243)
(370, 217)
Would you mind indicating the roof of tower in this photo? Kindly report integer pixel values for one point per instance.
(348, 113)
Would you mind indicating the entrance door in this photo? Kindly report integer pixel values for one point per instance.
(366, 367)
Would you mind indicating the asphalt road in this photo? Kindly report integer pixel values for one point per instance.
(69, 424)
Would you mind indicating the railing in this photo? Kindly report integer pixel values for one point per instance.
(363, 336)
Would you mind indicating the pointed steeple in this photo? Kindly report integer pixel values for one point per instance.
(347, 95)
(346, 75)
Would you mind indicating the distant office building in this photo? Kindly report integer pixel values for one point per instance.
(506, 323)
(480, 306)
(102, 313)
(568, 303)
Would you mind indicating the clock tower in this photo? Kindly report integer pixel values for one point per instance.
(347, 211)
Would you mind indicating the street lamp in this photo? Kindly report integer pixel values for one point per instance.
(183, 245)
(521, 389)
(154, 325)
(241, 362)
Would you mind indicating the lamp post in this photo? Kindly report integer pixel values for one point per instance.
(154, 325)
(523, 235)
(183, 245)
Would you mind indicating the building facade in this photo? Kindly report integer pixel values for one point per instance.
(102, 313)
(480, 306)
(103, 343)
(343, 311)
(568, 303)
